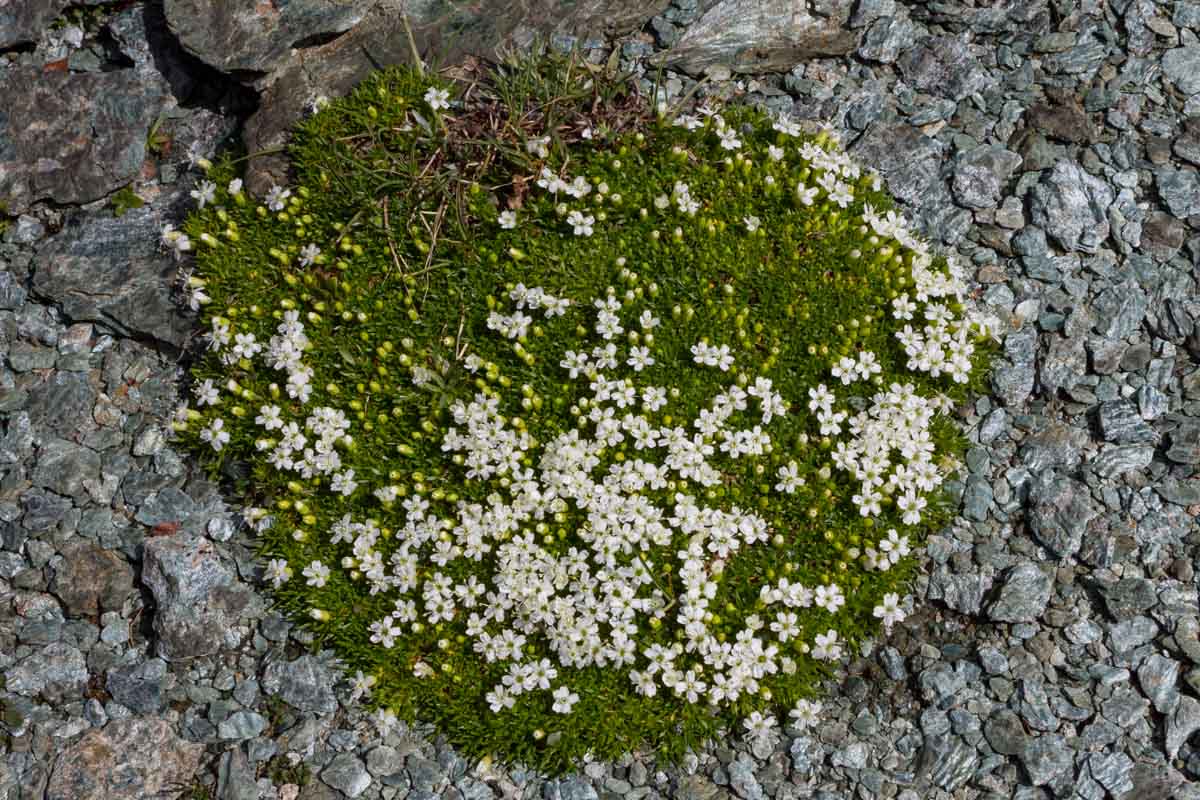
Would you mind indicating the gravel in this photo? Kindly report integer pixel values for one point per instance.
(1055, 650)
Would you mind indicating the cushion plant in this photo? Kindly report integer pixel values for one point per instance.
(570, 424)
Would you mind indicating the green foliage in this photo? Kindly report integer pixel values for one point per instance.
(403, 202)
(125, 199)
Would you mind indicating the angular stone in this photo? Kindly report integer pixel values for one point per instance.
(197, 597)
(1119, 310)
(1185, 444)
(1121, 423)
(1066, 120)
(24, 22)
(305, 683)
(1045, 758)
(112, 271)
(1182, 68)
(1056, 445)
(981, 175)
(63, 466)
(128, 759)
(948, 761)
(887, 38)
(347, 774)
(45, 148)
(57, 672)
(760, 35)
(242, 725)
(1005, 732)
(1060, 510)
(1128, 597)
(236, 777)
(1116, 459)
(1112, 771)
(1023, 595)
(1180, 190)
(1132, 633)
(1182, 724)
(1072, 206)
(91, 580)
(1159, 678)
(909, 160)
(944, 66)
(138, 686)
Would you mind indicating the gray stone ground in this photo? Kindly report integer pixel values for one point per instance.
(1055, 145)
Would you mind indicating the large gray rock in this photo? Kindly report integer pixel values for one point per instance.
(72, 137)
(138, 686)
(1072, 206)
(128, 759)
(57, 672)
(197, 597)
(1023, 595)
(24, 21)
(305, 683)
(908, 160)
(981, 175)
(108, 270)
(756, 35)
(1059, 513)
(1182, 68)
(944, 66)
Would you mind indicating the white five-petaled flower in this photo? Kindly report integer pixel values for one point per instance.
(789, 478)
(316, 573)
(889, 610)
(508, 220)
(361, 685)
(278, 572)
(805, 715)
(581, 223)
(437, 98)
(205, 192)
(308, 254)
(752, 223)
(826, 647)
(564, 699)
(277, 198)
(206, 393)
(215, 434)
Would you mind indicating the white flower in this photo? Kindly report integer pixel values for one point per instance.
(654, 398)
(422, 670)
(277, 198)
(639, 358)
(805, 715)
(830, 597)
(361, 685)
(177, 241)
(308, 254)
(437, 98)
(205, 192)
(278, 572)
(648, 321)
(760, 726)
(775, 153)
(215, 435)
(889, 611)
(827, 648)
(752, 223)
(508, 220)
(538, 146)
(564, 699)
(235, 186)
(806, 194)
(789, 478)
(582, 224)
(206, 393)
(316, 573)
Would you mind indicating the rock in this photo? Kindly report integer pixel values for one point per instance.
(1072, 206)
(91, 580)
(887, 38)
(909, 160)
(42, 152)
(57, 672)
(1128, 597)
(1060, 510)
(305, 683)
(1114, 460)
(1185, 444)
(943, 66)
(981, 175)
(1112, 771)
(138, 686)
(1005, 733)
(347, 774)
(128, 759)
(1179, 190)
(742, 779)
(1045, 758)
(1065, 120)
(196, 595)
(235, 777)
(384, 761)
(250, 38)
(1159, 677)
(948, 761)
(1119, 310)
(1120, 422)
(1132, 633)
(24, 22)
(63, 466)
(1182, 724)
(111, 271)
(1182, 68)
(1023, 595)
(761, 35)
(242, 725)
